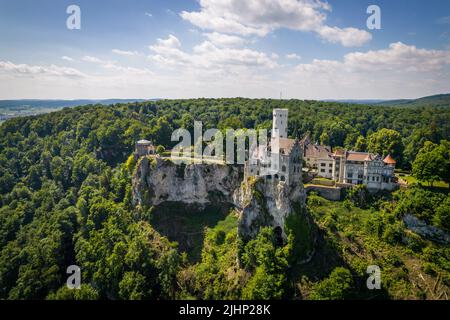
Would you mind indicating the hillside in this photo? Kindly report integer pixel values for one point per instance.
(441, 100)
(66, 198)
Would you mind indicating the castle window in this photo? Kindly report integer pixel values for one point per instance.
(283, 169)
(283, 178)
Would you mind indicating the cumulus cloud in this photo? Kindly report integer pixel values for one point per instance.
(125, 52)
(30, 70)
(92, 59)
(264, 16)
(67, 58)
(293, 56)
(399, 71)
(348, 37)
(399, 57)
(208, 69)
(225, 40)
(168, 53)
(128, 70)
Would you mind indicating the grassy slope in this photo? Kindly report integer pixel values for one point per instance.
(411, 180)
(187, 225)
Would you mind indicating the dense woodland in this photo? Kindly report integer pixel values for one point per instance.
(65, 195)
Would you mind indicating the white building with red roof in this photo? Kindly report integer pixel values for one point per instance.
(370, 169)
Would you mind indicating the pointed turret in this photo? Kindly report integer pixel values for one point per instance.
(389, 160)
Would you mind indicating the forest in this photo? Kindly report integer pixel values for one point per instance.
(65, 195)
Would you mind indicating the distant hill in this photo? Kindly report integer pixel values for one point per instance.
(59, 103)
(440, 100)
(19, 108)
(356, 101)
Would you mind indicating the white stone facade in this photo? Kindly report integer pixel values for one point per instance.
(281, 161)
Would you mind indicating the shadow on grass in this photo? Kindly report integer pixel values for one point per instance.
(186, 224)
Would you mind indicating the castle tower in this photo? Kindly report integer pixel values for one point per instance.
(280, 123)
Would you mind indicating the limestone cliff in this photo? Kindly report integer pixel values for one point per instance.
(159, 180)
(260, 202)
(265, 203)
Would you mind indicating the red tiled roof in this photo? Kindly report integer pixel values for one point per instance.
(389, 160)
(358, 156)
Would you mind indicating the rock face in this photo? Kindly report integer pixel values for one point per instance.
(426, 231)
(159, 180)
(264, 203)
(260, 202)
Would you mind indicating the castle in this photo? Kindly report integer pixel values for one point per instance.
(280, 161)
(350, 167)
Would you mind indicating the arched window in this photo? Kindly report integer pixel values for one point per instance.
(283, 178)
(283, 168)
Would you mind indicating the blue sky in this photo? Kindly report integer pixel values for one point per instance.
(309, 49)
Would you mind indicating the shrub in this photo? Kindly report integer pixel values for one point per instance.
(336, 287)
(160, 149)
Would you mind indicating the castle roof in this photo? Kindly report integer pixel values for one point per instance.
(317, 151)
(286, 145)
(360, 156)
(389, 160)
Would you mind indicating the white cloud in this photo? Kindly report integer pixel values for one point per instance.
(293, 56)
(148, 14)
(225, 40)
(67, 58)
(92, 59)
(264, 16)
(125, 53)
(399, 57)
(348, 37)
(128, 70)
(170, 42)
(209, 70)
(168, 53)
(399, 71)
(30, 70)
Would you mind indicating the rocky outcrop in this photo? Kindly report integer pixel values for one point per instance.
(426, 231)
(158, 180)
(265, 203)
(260, 202)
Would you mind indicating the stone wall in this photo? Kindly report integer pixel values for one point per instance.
(329, 193)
